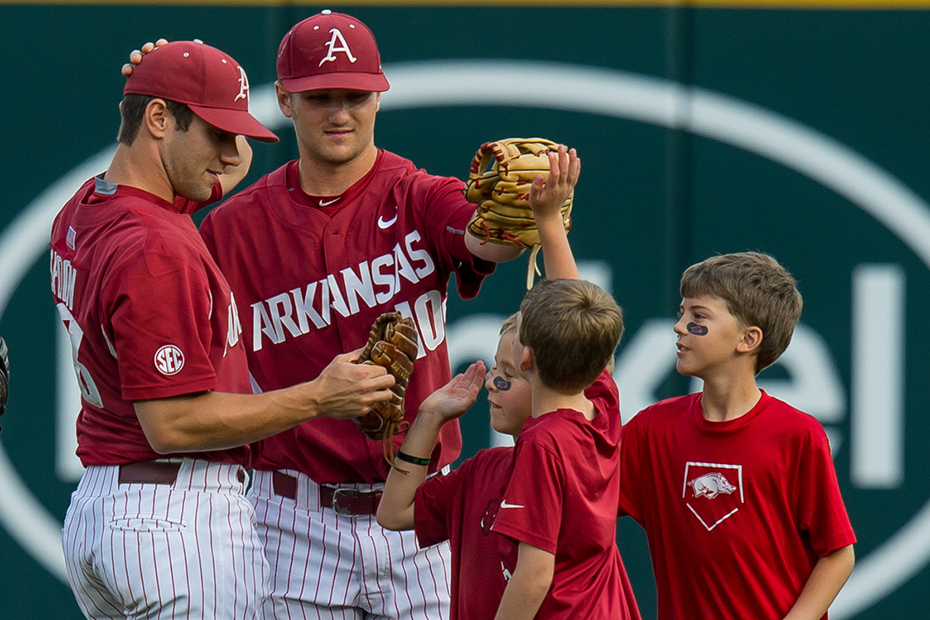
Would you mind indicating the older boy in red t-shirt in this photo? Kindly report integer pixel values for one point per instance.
(736, 489)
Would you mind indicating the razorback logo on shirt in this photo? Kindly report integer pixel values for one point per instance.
(490, 513)
(711, 485)
(712, 492)
(376, 282)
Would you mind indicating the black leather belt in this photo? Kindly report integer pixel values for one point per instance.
(347, 502)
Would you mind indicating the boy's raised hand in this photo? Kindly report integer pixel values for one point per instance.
(454, 398)
(547, 196)
(546, 200)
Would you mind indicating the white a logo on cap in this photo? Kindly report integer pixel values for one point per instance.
(344, 47)
(243, 85)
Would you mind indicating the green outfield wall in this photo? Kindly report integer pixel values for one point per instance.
(797, 128)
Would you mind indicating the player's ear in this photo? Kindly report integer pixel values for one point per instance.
(284, 100)
(156, 117)
(751, 341)
(377, 102)
(528, 361)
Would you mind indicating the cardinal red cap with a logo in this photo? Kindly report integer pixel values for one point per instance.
(330, 50)
(210, 82)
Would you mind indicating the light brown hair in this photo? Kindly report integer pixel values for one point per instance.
(757, 290)
(573, 328)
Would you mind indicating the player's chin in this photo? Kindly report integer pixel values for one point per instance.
(200, 192)
(684, 367)
(500, 423)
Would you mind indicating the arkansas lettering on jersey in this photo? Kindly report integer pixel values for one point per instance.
(311, 281)
(737, 513)
(148, 314)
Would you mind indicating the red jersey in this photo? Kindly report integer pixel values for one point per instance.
(737, 513)
(148, 312)
(460, 507)
(563, 498)
(311, 280)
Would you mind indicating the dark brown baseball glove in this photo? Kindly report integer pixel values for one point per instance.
(392, 343)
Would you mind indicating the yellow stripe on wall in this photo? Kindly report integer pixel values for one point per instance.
(720, 4)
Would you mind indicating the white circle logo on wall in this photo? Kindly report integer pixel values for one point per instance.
(573, 88)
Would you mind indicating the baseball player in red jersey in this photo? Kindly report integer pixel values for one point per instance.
(314, 252)
(159, 525)
(464, 506)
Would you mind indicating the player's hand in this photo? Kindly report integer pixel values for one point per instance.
(347, 390)
(548, 196)
(454, 398)
(135, 56)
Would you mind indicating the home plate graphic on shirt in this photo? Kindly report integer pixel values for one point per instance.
(713, 492)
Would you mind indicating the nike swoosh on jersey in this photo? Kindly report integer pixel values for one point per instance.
(506, 505)
(385, 224)
(326, 203)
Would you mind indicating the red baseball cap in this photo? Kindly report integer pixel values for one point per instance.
(330, 50)
(210, 82)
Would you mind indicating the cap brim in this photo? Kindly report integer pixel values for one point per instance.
(374, 82)
(238, 122)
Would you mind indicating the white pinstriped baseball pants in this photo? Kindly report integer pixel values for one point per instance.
(183, 550)
(327, 566)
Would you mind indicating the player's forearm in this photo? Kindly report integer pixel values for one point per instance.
(558, 259)
(527, 588)
(491, 252)
(396, 510)
(218, 420)
(825, 582)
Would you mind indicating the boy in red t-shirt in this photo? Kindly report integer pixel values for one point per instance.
(736, 489)
(467, 505)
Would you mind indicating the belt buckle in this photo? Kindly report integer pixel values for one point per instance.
(337, 508)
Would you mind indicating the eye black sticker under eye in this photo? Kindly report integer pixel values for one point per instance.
(502, 384)
(697, 330)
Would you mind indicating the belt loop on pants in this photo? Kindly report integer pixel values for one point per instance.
(149, 472)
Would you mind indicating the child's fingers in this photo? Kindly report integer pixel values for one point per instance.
(574, 167)
(538, 184)
(564, 159)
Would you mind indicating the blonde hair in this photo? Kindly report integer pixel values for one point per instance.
(509, 323)
(757, 290)
(573, 328)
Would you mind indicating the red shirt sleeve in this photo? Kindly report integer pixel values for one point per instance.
(821, 511)
(531, 510)
(630, 472)
(145, 335)
(433, 505)
(447, 217)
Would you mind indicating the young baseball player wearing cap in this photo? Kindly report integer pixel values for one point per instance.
(159, 525)
(314, 252)
(736, 490)
(463, 506)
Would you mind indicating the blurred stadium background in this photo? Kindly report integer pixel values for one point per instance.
(799, 128)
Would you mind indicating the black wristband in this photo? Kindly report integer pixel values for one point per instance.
(413, 460)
